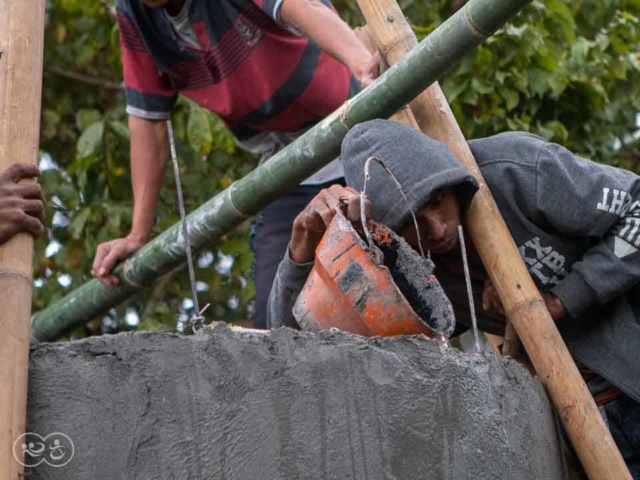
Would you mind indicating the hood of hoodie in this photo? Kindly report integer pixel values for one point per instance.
(421, 164)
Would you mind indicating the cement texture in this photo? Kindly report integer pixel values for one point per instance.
(413, 275)
(234, 404)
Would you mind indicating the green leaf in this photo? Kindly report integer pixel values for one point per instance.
(484, 57)
(501, 75)
(453, 90)
(481, 86)
(547, 60)
(511, 97)
(560, 133)
(90, 139)
(539, 82)
(50, 121)
(77, 223)
(199, 131)
(86, 117)
(67, 194)
(120, 129)
(561, 15)
(514, 31)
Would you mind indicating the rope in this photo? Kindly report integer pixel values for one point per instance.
(363, 196)
(467, 277)
(196, 319)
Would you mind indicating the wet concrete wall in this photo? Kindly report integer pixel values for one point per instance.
(231, 404)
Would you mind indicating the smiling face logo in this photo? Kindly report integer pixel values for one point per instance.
(31, 449)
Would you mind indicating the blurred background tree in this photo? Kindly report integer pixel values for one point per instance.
(568, 71)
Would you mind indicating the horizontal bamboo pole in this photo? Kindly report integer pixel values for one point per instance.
(21, 50)
(434, 56)
(525, 308)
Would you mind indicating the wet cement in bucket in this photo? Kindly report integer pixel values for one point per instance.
(414, 277)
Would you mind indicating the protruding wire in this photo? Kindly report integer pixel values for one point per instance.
(467, 276)
(197, 318)
(363, 196)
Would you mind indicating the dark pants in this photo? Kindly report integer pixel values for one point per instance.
(623, 416)
(623, 419)
(270, 235)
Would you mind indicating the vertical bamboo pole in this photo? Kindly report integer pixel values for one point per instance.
(21, 43)
(522, 301)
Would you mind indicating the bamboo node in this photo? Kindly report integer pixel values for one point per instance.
(233, 205)
(524, 304)
(472, 28)
(127, 278)
(344, 113)
(17, 273)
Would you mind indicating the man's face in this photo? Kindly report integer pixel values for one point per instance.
(438, 222)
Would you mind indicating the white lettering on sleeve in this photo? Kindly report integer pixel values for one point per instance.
(618, 201)
(604, 205)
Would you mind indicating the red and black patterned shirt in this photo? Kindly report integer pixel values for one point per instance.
(256, 74)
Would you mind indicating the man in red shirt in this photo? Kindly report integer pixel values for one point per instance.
(269, 68)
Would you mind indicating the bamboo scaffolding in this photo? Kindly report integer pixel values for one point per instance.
(21, 50)
(435, 55)
(526, 310)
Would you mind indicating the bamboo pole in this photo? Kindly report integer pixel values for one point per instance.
(435, 55)
(525, 308)
(21, 44)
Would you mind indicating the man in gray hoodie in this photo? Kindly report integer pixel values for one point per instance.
(576, 223)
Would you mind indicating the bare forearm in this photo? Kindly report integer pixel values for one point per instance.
(327, 29)
(149, 151)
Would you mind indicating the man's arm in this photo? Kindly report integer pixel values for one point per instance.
(149, 151)
(286, 287)
(332, 35)
(584, 199)
(21, 204)
(308, 229)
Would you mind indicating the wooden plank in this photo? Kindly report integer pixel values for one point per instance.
(21, 43)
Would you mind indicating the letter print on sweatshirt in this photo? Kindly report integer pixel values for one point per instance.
(544, 263)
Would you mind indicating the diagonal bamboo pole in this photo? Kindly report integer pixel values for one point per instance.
(21, 50)
(590, 436)
(435, 55)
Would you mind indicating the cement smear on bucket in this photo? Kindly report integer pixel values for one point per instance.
(229, 404)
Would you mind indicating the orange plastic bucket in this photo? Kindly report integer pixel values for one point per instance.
(349, 289)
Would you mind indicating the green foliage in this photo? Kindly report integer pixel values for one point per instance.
(568, 79)
(564, 70)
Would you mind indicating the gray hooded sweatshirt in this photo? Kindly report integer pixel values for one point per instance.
(576, 224)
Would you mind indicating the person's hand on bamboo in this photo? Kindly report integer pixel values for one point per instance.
(22, 205)
(371, 70)
(109, 253)
(491, 301)
(310, 225)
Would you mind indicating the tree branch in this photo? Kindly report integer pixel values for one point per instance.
(79, 77)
